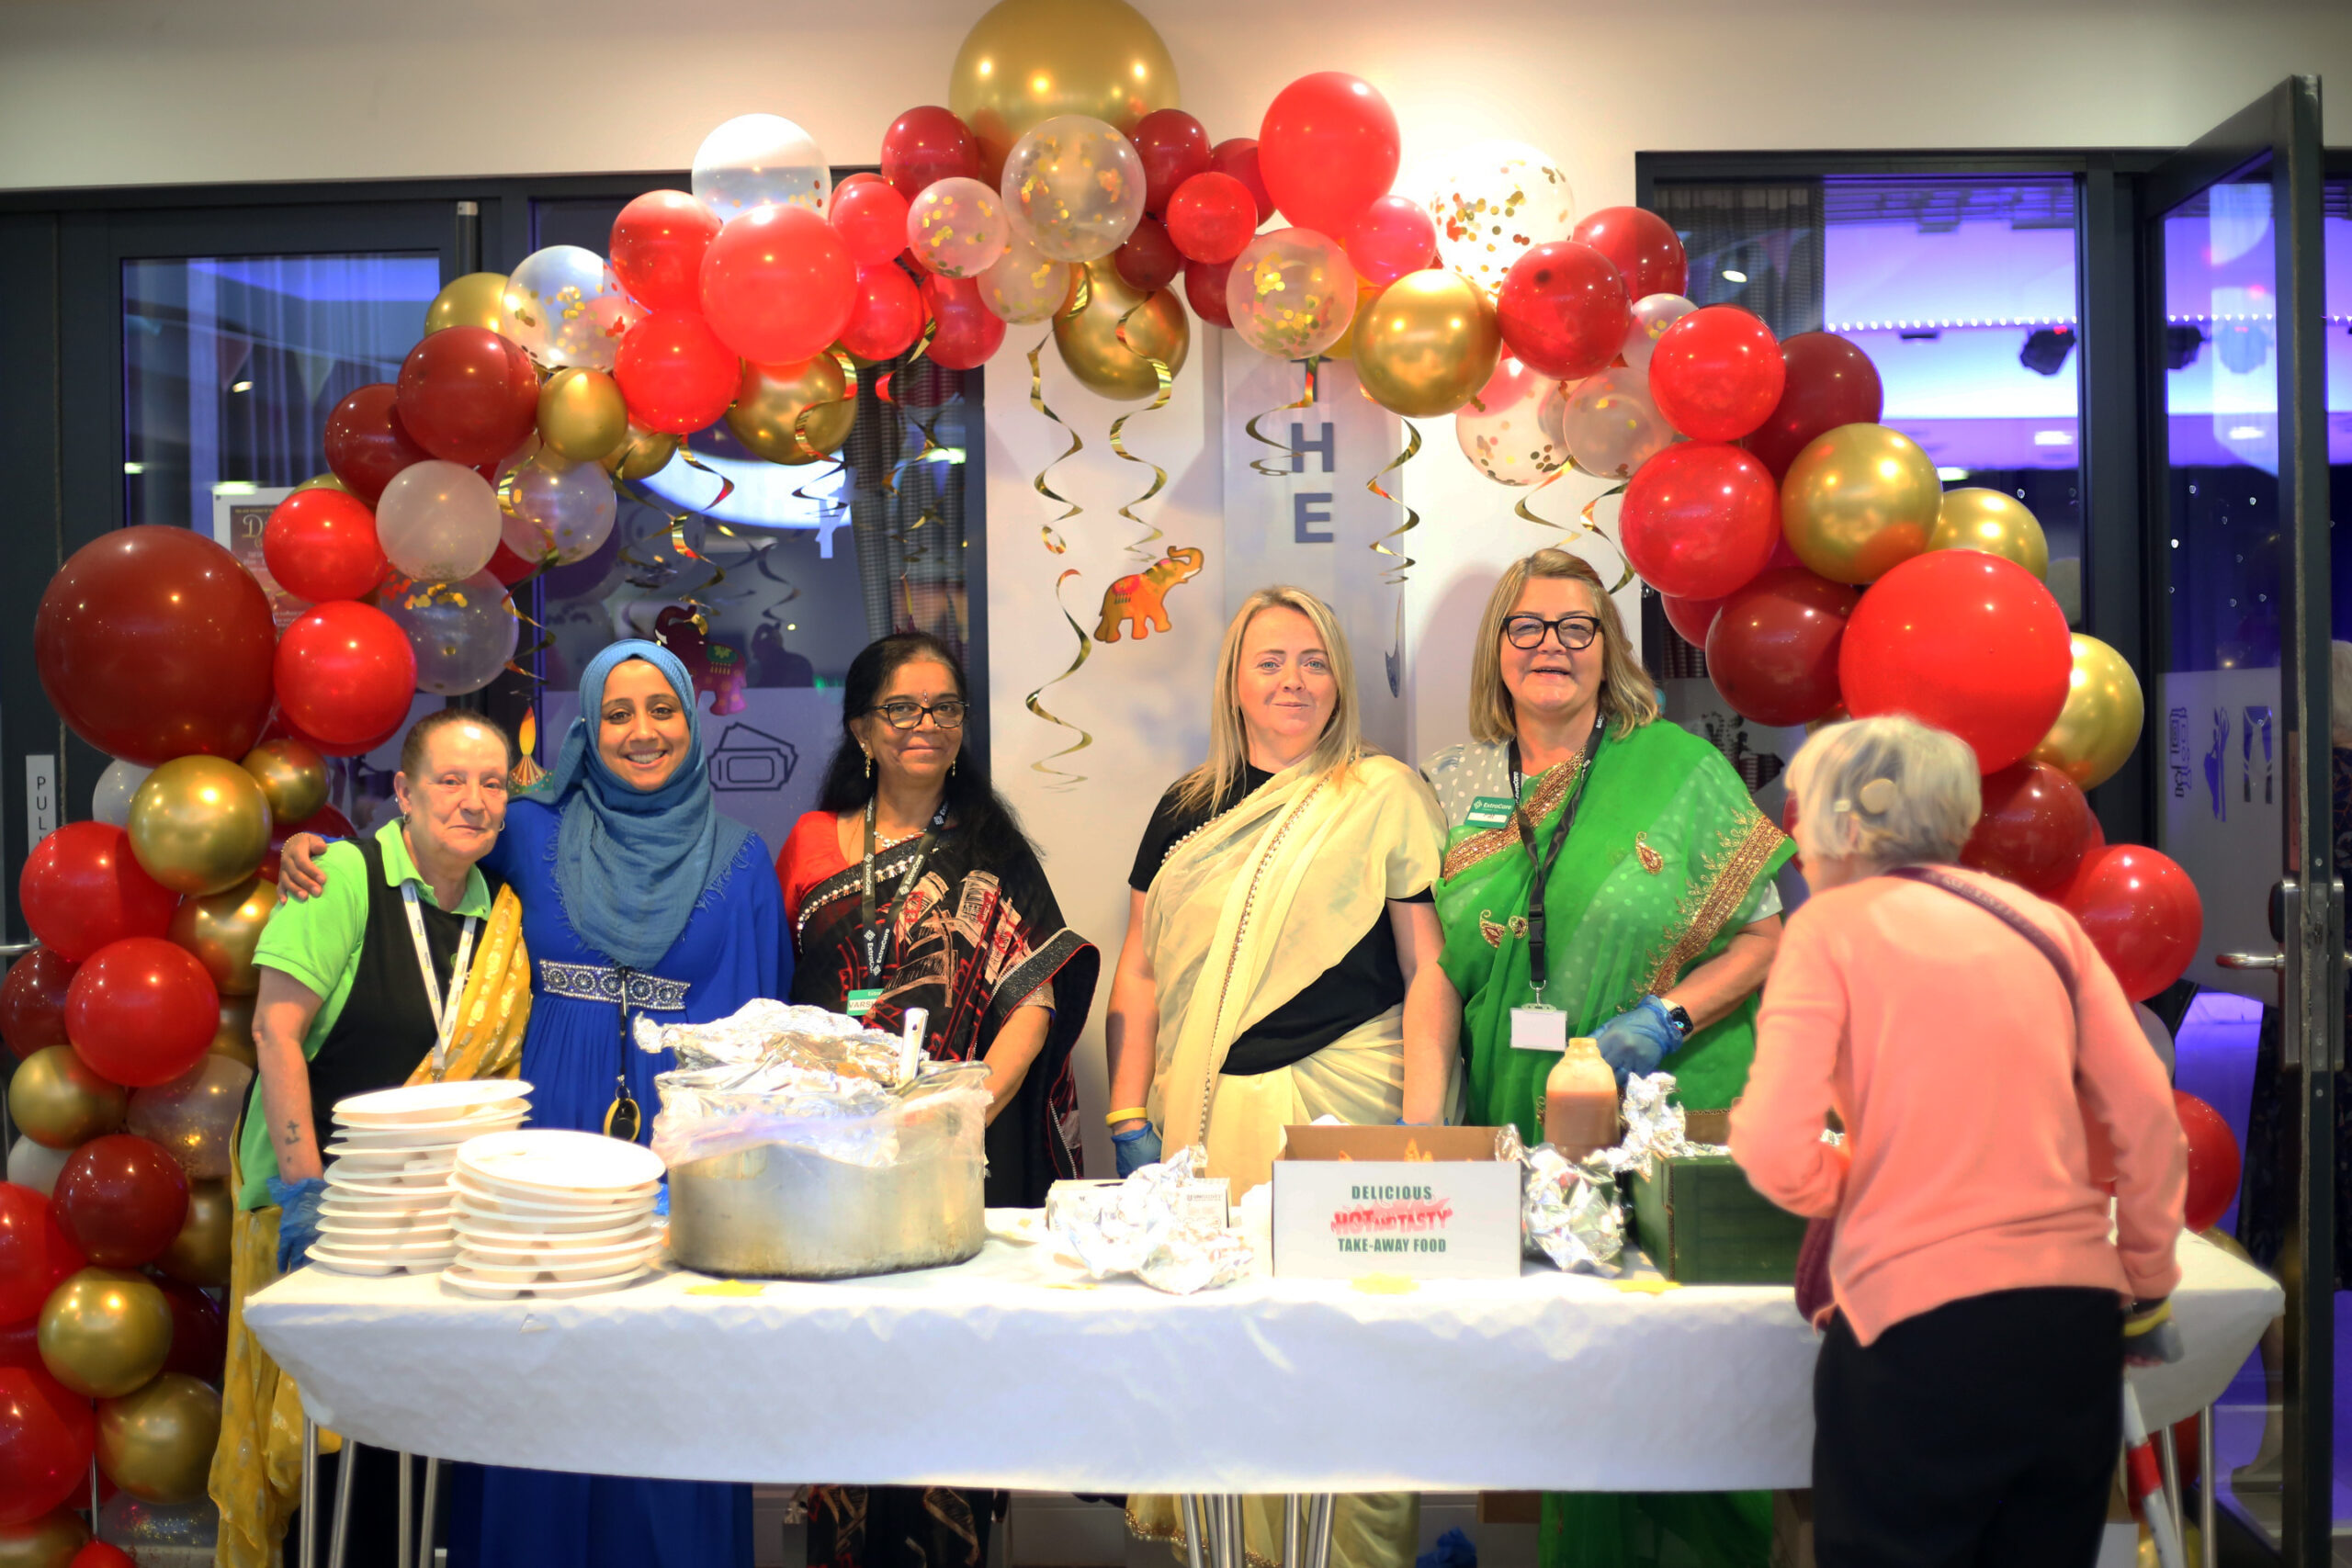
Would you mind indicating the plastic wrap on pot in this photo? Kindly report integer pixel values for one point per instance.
(766, 1032)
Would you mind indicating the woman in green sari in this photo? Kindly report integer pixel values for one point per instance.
(1651, 933)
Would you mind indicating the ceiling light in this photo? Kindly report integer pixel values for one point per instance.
(134, 467)
(1952, 475)
(241, 386)
(2246, 433)
(1733, 276)
(234, 487)
(2054, 438)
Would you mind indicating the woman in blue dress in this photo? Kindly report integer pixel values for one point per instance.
(638, 897)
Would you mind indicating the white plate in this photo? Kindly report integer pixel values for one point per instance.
(473, 1285)
(395, 1176)
(319, 1257)
(507, 1222)
(430, 1101)
(363, 1237)
(502, 1250)
(388, 1195)
(445, 1151)
(404, 1247)
(487, 1192)
(555, 1160)
(385, 1224)
(551, 1245)
(412, 1207)
(427, 1134)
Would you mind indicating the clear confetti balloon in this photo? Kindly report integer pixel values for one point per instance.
(1074, 187)
(438, 522)
(1026, 284)
(1292, 293)
(1502, 432)
(463, 632)
(1492, 202)
(111, 801)
(761, 160)
(556, 510)
(563, 306)
(957, 228)
(1653, 313)
(133, 1522)
(1608, 424)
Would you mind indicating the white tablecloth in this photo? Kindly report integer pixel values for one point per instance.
(1010, 1372)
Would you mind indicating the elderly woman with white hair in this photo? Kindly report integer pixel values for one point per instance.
(1992, 1083)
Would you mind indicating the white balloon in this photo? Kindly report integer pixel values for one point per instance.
(438, 522)
(761, 160)
(1493, 201)
(110, 802)
(563, 306)
(1653, 313)
(35, 1166)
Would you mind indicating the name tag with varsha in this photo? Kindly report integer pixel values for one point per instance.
(1424, 1203)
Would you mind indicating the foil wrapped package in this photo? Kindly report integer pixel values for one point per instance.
(1148, 1226)
(1570, 1213)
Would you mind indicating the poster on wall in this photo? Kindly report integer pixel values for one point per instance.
(2222, 786)
(238, 519)
(1300, 513)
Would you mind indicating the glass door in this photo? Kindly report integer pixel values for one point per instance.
(2233, 350)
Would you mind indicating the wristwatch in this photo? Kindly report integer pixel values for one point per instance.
(1678, 1015)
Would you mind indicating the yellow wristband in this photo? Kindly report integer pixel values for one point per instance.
(1136, 1113)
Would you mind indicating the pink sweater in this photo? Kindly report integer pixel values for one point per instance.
(1982, 1125)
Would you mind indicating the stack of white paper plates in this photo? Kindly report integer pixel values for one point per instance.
(389, 1205)
(552, 1213)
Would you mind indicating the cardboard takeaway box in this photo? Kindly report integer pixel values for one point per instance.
(1422, 1203)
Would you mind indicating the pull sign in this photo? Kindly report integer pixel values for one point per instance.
(41, 796)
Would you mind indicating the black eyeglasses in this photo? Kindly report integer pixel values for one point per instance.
(948, 714)
(1527, 631)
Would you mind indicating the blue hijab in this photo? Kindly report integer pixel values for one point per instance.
(631, 864)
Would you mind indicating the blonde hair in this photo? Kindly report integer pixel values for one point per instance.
(1341, 743)
(1887, 791)
(1627, 695)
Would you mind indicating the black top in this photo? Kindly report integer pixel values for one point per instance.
(1366, 982)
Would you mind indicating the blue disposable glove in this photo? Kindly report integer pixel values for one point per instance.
(297, 1218)
(1135, 1148)
(1636, 1039)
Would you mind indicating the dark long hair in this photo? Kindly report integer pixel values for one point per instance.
(976, 813)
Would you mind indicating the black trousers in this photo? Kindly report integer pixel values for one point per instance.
(1983, 1432)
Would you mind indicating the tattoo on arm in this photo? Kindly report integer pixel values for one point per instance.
(293, 1134)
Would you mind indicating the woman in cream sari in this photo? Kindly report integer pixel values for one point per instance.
(1280, 958)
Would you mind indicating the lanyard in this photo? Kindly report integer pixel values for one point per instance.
(1538, 972)
(445, 1008)
(873, 935)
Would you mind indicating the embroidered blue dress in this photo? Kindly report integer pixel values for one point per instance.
(733, 948)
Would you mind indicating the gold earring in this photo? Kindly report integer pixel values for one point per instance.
(869, 764)
(951, 767)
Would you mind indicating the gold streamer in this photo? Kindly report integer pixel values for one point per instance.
(1049, 533)
(1592, 525)
(1395, 575)
(1525, 513)
(1306, 399)
(1142, 548)
(1069, 780)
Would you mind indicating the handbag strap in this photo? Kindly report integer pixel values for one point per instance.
(1960, 888)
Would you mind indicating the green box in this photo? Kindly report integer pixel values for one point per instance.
(1703, 1225)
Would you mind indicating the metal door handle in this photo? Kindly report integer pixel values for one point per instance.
(2251, 960)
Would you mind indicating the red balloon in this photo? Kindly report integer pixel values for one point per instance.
(969, 330)
(1643, 245)
(2214, 1161)
(1563, 309)
(153, 642)
(927, 144)
(32, 1001)
(1204, 290)
(871, 219)
(199, 1333)
(345, 672)
(657, 245)
(2035, 828)
(142, 1011)
(467, 395)
(47, 1435)
(1827, 382)
(674, 373)
(777, 284)
(1173, 147)
(34, 1253)
(1238, 157)
(1699, 520)
(326, 822)
(888, 316)
(2141, 912)
(20, 1343)
(1965, 641)
(1149, 260)
(320, 543)
(121, 1199)
(1212, 217)
(1690, 617)
(1773, 652)
(1395, 236)
(100, 1555)
(1716, 374)
(1328, 148)
(81, 888)
(366, 442)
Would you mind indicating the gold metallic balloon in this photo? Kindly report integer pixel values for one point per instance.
(323, 481)
(103, 1332)
(1992, 521)
(477, 300)
(223, 928)
(57, 1101)
(293, 778)
(640, 454)
(195, 1115)
(1860, 501)
(199, 1254)
(235, 1037)
(772, 398)
(157, 1443)
(2100, 723)
(48, 1541)
(199, 824)
(1027, 61)
(1430, 343)
(581, 415)
(1157, 328)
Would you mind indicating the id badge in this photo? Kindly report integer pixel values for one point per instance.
(1539, 1029)
(1488, 811)
(862, 1002)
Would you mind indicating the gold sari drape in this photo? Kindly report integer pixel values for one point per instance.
(257, 1478)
